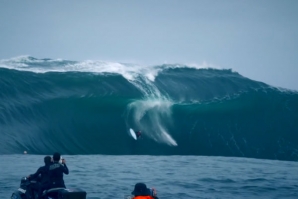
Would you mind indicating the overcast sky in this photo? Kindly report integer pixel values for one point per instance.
(257, 38)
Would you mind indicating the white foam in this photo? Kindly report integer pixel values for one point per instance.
(168, 138)
(128, 70)
(152, 116)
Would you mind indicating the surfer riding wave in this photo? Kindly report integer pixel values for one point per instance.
(139, 134)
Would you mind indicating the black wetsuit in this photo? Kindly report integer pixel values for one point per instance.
(138, 134)
(56, 171)
(42, 174)
(42, 178)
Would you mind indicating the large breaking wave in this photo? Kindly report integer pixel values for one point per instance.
(88, 107)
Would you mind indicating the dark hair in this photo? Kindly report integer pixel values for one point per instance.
(47, 159)
(141, 190)
(56, 156)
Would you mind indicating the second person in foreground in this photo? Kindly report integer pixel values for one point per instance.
(56, 171)
(142, 192)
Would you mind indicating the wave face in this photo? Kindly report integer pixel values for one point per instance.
(88, 107)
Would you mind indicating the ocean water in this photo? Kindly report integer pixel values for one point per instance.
(206, 132)
(185, 177)
(88, 107)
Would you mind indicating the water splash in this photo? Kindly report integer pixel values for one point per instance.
(152, 116)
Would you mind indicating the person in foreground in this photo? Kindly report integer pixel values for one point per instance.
(142, 192)
(56, 171)
(41, 176)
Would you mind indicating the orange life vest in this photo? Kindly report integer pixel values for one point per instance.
(143, 197)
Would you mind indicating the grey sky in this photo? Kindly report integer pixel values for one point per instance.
(257, 38)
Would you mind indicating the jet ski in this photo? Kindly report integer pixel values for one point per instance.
(25, 192)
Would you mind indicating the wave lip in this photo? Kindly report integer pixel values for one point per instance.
(127, 70)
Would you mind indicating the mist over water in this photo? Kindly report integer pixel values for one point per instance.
(88, 108)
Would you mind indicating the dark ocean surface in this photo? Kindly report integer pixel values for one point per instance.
(88, 108)
(181, 177)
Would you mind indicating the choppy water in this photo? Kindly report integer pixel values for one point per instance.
(185, 177)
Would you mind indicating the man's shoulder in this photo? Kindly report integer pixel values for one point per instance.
(55, 165)
(42, 168)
